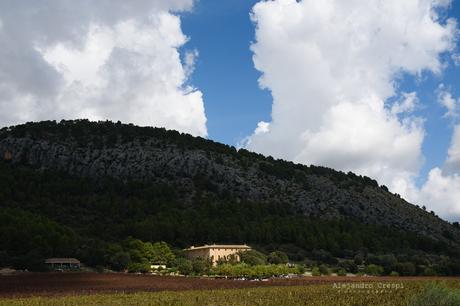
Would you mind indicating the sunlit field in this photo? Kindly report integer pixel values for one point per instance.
(396, 292)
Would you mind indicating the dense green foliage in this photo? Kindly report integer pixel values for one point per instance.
(97, 213)
(278, 257)
(26, 239)
(374, 270)
(51, 214)
(137, 256)
(253, 258)
(183, 266)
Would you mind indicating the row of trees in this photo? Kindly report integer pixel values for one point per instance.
(253, 264)
(138, 256)
(134, 255)
(27, 239)
(99, 215)
(112, 210)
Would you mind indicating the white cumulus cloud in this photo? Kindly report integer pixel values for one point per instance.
(104, 59)
(448, 101)
(407, 104)
(441, 192)
(452, 164)
(332, 67)
(262, 127)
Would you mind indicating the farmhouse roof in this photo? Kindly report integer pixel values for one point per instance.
(62, 261)
(219, 246)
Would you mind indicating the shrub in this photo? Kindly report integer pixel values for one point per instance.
(200, 265)
(349, 266)
(436, 295)
(277, 257)
(300, 269)
(136, 267)
(374, 270)
(341, 272)
(429, 271)
(388, 262)
(159, 253)
(119, 261)
(324, 270)
(394, 273)
(359, 258)
(406, 268)
(184, 266)
(253, 258)
(258, 271)
(315, 271)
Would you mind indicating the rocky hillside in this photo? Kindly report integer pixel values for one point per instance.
(129, 153)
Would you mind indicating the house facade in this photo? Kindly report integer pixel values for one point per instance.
(216, 252)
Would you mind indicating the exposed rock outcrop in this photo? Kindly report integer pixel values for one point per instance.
(187, 161)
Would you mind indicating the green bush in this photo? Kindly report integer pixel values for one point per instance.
(277, 257)
(201, 265)
(374, 270)
(394, 273)
(253, 257)
(358, 259)
(349, 266)
(136, 267)
(406, 268)
(119, 261)
(156, 253)
(300, 269)
(183, 265)
(341, 272)
(429, 271)
(315, 271)
(159, 253)
(324, 270)
(437, 295)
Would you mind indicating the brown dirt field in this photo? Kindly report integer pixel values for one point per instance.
(46, 284)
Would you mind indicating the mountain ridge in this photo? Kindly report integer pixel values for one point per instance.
(105, 149)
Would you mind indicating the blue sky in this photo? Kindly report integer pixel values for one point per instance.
(222, 32)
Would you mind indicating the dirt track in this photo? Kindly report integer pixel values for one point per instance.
(31, 284)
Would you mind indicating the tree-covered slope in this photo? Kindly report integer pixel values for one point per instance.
(106, 181)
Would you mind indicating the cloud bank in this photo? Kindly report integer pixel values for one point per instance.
(102, 59)
(333, 67)
(441, 192)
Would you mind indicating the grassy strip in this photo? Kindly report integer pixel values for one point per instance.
(318, 295)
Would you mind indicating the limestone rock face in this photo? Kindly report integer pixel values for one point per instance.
(184, 161)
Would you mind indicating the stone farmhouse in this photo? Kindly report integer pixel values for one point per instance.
(216, 252)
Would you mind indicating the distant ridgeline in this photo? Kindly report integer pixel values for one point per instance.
(68, 189)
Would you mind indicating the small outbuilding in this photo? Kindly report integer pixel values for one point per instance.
(63, 263)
